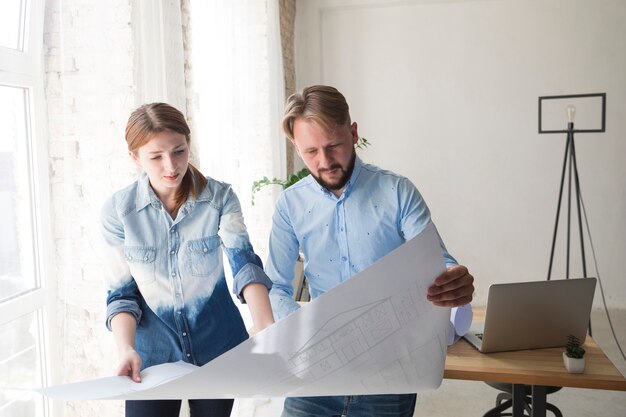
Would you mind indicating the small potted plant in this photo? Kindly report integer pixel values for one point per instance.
(574, 355)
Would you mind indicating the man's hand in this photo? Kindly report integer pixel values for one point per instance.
(130, 364)
(453, 288)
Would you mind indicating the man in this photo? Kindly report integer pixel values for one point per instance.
(344, 217)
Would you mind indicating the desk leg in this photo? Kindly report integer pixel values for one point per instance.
(518, 400)
(539, 401)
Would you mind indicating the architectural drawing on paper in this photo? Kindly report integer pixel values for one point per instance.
(330, 350)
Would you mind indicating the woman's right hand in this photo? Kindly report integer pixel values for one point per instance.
(130, 364)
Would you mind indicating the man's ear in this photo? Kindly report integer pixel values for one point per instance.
(354, 130)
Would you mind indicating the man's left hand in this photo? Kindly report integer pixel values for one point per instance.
(453, 288)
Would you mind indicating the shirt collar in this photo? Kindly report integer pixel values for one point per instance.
(145, 193)
(358, 164)
(206, 194)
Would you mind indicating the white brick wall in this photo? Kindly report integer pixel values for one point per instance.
(90, 93)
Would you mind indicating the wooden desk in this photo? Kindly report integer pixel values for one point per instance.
(538, 368)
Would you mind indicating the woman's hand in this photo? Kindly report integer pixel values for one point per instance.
(130, 364)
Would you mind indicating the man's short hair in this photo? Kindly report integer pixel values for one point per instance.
(320, 104)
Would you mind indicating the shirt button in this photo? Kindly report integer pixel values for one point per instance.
(205, 250)
(172, 252)
(342, 229)
(184, 333)
(343, 258)
(180, 312)
(145, 259)
(173, 274)
(188, 355)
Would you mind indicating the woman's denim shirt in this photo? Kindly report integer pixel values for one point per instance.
(169, 274)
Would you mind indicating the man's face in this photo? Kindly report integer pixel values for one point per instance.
(329, 156)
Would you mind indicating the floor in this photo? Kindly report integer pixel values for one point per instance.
(470, 398)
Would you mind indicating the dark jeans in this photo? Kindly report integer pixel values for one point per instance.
(171, 408)
(402, 405)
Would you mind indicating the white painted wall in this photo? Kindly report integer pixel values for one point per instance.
(447, 91)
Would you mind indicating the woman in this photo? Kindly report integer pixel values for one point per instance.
(167, 294)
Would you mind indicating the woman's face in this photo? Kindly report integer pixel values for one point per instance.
(165, 159)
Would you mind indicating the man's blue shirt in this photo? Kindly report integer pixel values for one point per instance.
(169, 273)
(340, 236)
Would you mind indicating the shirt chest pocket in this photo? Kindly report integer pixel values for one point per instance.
(141, 261)
(203, 256)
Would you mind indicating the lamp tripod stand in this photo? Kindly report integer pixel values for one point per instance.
(570, 166)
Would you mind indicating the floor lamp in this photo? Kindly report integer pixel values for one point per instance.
(569, 172)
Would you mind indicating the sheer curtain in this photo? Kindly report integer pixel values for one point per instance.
(235, 93)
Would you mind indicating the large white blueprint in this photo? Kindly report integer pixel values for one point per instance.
(374, 334)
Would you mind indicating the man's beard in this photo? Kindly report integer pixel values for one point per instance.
(343, 180)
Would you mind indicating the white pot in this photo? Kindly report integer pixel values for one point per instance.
(573, 365)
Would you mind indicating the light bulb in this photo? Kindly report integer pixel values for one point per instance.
(571, 112)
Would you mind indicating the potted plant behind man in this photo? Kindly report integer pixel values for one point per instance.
(574, 355)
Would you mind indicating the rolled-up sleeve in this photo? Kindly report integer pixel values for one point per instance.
(125, 299)
(246, 266)
(249, 274)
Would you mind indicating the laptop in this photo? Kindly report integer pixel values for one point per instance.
(532, 315)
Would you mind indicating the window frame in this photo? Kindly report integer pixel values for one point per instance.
(24, 69)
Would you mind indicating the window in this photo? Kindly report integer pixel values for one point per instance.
(17, 258)
(23, 208)
(20, 366)
(12, 24)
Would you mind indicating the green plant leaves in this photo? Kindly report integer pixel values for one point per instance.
(574, 347)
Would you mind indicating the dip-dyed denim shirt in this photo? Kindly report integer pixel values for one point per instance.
(169, 274)
(340, 236)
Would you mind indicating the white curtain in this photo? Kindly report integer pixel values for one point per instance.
(235, 93)
(235, 84)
